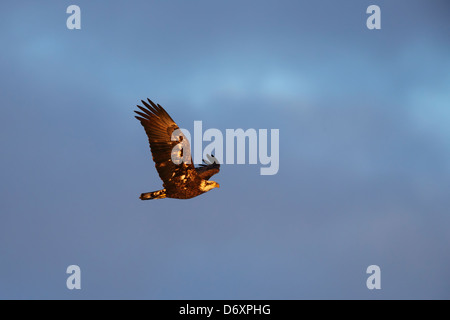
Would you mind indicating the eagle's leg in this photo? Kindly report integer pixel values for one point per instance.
(160, 194)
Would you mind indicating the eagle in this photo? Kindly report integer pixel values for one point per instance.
(171, 153)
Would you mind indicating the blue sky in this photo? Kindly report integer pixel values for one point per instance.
(364, 149)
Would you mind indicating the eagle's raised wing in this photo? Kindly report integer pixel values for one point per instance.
(209, 168)
(161, 131)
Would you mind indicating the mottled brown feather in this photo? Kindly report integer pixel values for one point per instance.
(180, 180)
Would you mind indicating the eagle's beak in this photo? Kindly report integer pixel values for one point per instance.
(217, 185)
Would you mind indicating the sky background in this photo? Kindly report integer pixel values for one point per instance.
(364, 172)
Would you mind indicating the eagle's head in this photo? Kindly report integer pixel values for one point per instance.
(207, 185)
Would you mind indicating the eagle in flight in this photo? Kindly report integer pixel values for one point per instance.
(171, 153)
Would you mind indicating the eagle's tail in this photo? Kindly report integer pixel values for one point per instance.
(160, 194)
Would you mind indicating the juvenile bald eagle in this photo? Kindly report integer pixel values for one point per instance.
(171, 154)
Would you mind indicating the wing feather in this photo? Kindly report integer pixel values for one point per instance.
(208, 169)
(159, 127)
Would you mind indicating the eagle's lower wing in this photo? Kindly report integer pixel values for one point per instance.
(207, 171)
(208, 168)
(160, 128)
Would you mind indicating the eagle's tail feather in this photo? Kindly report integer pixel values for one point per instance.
(160, 194)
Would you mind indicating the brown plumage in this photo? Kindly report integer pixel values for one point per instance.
(172, 156)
